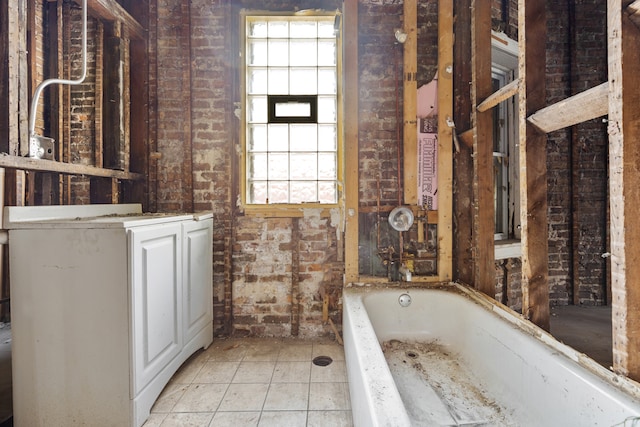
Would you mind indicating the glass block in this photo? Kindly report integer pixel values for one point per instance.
(278, 81)
(278, 192)
(304, 137)
(303, 81)
(327, 81)
(326, 52)
(257, 52)
(278, 29)
(303, 29)
(326, 28)
(257, 167)
(278, 166)
(278, 53)
(327, 166)
(327, 192)
(303, 191)
(304, 53)
(257, 109)
(327, 140)
(326, 109)
(257, 138)
(257, 192)
(278, 137)
(257, 81)
(257, 29)
(304, 166)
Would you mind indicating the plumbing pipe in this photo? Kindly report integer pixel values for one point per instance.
(44, 84)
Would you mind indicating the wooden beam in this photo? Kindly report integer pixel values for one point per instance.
(624, 187)
(410, 99)
(502, 94)
(484, 210)
(532, 30)
(32, 164)
(111, 11)
(576, 109)
(445, 140)
(351, 137)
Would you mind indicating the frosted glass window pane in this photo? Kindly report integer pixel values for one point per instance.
(327, 166)
(278, 192)
(327, 110)
(303, 81)
(257, 52)
(258, 192)
(257, 138)
(327, 140)
(327, 192)
(326, 52)
(302, 29)
(279, 137)
(278, 166)
(257, 109)
(327, 82)
(278, 81)
(258, 29)
(258, 166)
(304, 52)
(325, 28)
(278, 53)
(303, 192)
(304, 137)
(257, 83)
(304, 166)
(278, 29)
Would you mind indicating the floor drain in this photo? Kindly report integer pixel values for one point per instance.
(322, 360)
(411, 354)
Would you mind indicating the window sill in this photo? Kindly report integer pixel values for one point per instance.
(507, 249)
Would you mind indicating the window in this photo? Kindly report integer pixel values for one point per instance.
(504, 56)
(291, 146)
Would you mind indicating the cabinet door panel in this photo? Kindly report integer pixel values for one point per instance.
(197, 274)
(156, 277)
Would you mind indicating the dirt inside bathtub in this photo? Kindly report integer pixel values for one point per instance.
(438, 390)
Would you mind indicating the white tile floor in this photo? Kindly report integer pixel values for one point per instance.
(257, 382)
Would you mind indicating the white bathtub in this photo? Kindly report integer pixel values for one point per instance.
(537, 380)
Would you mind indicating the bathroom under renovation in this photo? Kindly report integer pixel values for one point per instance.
(319, 213)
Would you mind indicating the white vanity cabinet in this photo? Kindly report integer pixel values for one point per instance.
(106, 303)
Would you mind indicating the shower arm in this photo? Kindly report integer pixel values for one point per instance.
(44, 84)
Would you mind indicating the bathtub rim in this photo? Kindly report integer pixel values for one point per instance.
(622, 382)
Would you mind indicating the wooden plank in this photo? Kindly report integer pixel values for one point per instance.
(587, 105)
(463, 161)
(633, 11)
(98, 151)
(31, 164)
(410, 95)
(4, 76)
(113, 103)
(350, 68)
(445, 140)
(481, 88)
(502, 94)
(187, 165)
(624, 187)
(533, 163)
(111, 11)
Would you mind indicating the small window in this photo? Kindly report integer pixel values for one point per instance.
(291, 145)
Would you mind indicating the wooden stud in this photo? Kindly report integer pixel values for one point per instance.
(533, 163)
(482, 88)
(410, 99)
(445, 140)
(350, 67)
(587, 105)
(463, 161)
(624, 187)
(187, 166)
